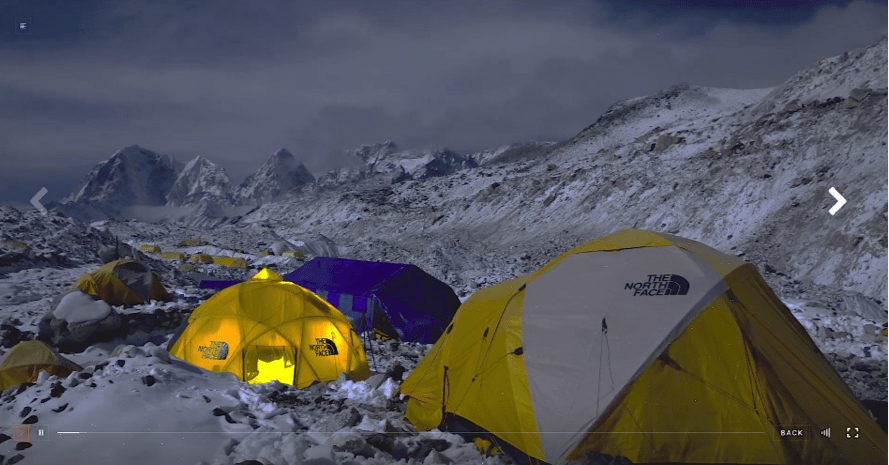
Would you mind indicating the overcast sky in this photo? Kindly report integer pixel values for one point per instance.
(237, 80)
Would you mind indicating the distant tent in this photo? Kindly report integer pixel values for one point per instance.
(122, 282)
(173, 256)
(200, 258)
(293, 253)
(185, 267)
(26, 360)
(642, 345)
(149, 248)
(190, 242)
(395, 300)
(266, 329)
(17, 244)
(230, 262)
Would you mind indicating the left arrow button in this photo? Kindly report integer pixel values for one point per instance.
(36, 200)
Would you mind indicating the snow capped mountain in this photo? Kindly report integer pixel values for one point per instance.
(201, 178)
(280, 173)
(389, 165)
(132, 176)
(744, 171)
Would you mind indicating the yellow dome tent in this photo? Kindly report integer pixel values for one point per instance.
(642, 345)
(200, 258)
(26, 360)
(122, 282)
(231, 262)
(293, 253)
(267, 329)
(173, 256)
(190, 242)
(149, 248)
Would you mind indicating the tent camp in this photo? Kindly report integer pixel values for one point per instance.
(26, 360)
(293, 253)
(200, 258)
(231, 262)
(190, 242)
(642, 345)
(266, 329)
(395, 300)
(122, 282)
(149, 248)
(173, 256)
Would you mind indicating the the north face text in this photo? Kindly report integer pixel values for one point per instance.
(217, 350)
(660, 284)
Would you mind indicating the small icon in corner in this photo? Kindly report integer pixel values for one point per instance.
(40, 433)
(20, 433)
(852, 432)
(23, 25)
(826, 432)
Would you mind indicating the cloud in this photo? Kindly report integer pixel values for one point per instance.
(238, 81)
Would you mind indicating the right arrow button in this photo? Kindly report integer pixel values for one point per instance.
(840, 201)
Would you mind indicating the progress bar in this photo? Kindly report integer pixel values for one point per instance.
(377, 432)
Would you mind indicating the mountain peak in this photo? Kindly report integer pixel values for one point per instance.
(279, 174)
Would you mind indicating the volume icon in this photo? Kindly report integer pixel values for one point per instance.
(826, 432)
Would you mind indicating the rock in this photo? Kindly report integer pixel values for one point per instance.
(25, 412)
(30, 420)
(357, 447)
(436, 457)
(250, 462)
(60, 408)
(15, 459)
(4, 438)
(148, 380)
(792, 107)
(862, 306)
(57, 390)
(218, 412)
(76, 337)
(396, 373)
(383, 442)
(664, 141)
(425, 446)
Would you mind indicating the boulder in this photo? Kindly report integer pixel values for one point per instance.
(77, 320)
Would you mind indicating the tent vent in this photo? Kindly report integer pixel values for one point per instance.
(522, 288)
(486, 333)
(730, 295)
(450, 327)
(518, 351)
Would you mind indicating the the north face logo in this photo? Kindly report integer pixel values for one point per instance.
(660, 284)
(324, 347)
(217, 350)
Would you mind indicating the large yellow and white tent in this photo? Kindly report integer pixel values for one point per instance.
(642, 345)
(267, 329)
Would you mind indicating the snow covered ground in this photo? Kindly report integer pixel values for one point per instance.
(133, 403)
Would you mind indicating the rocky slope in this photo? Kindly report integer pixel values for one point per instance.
(745, 171)
(200, 179)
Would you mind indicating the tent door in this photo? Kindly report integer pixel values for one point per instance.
(269, 363)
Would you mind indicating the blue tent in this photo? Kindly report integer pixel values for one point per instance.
(395, 300)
